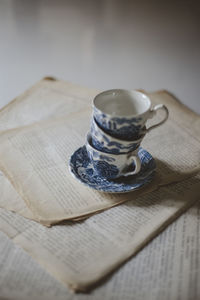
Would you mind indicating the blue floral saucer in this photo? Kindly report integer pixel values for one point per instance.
(81, 168)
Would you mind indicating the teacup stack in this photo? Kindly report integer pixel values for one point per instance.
(118, 127)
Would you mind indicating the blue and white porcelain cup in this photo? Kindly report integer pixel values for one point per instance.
(106, 143)
(123, 113)
(112, 166)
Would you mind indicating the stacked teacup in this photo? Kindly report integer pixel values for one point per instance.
(118, 127)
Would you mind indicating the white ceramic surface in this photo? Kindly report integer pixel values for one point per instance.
(123, 113)
(122, 103)
(113, 165)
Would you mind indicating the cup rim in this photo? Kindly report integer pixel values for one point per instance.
(94, 105)
(88, 143)
(116, 139)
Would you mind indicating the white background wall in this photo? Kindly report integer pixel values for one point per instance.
(103, 44)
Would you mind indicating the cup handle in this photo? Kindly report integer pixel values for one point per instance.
(153, 112)
(137, 162)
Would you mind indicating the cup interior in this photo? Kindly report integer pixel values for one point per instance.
(122, 103)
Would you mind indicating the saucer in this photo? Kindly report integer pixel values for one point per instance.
(81, 168)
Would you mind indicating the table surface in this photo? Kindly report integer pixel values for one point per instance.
(101, 44)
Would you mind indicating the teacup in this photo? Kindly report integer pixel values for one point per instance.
(106, 143)
(112, 166)
(123, 114)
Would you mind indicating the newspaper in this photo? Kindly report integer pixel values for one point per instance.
(46, 99)
(165, 264)
(81, 254)
(35, 158)
(167, 268)
(31, 107)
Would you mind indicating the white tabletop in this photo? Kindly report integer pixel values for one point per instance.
(101, 44)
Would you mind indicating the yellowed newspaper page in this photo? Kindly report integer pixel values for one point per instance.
(80, 254)
(35, 159)
(172, 282)
(46, 99)
(51, 193)
(11, 200)
(53, 98)
(167, 268)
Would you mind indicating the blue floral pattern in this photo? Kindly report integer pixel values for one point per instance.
(118, 127)
(128, 132)
(105, 169)
(82, 169)
(103, 143)
(115, 147)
